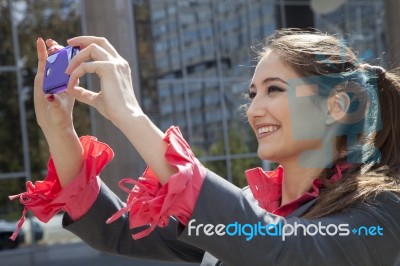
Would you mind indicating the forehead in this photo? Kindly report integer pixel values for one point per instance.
(271, 65)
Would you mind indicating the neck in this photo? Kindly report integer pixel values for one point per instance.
(301, 170)
(297, 180)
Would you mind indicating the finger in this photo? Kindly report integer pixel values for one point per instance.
(42, 56)
(83, 95)
(53, 46)
(53, 100)
(60, 104)
(54, 49)
(87, 67)
(85, 41)
(50, 97)
(92, 52)
(51, 42)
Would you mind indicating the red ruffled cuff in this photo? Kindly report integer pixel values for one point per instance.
(151, 204)
(46, 198)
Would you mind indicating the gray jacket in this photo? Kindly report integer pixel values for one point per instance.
(220, 202)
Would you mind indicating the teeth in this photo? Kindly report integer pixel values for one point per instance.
(267, 129)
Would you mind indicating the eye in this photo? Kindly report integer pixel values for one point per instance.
(251, 95)
(274, 89)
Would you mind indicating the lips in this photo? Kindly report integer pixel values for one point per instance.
(264, 130)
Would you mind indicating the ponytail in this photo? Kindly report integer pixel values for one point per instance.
(387, 140)
(362, 182)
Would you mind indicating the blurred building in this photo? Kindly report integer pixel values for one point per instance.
(201, 67)
(196, 58)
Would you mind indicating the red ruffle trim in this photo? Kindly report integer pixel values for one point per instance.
(151, 204)
(266, 187)
(46, 198)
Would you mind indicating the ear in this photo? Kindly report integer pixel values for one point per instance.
(338, 105)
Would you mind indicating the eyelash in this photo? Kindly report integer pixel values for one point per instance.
(252, 95)
(270, 89)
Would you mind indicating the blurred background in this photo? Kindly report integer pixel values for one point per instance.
(191, 63)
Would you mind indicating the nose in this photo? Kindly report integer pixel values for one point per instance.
(255, 109)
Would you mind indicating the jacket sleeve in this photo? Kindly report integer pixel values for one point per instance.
(116, 238)
(244, 243)
(150, 203)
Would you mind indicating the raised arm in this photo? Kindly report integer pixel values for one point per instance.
(54, 116)
(116, 100)
(72, 182)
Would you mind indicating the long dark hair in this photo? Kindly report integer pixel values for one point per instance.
(312, 53)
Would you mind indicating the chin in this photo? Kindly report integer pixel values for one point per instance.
(266, 155)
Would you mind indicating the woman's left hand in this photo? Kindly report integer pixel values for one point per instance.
(116, 98)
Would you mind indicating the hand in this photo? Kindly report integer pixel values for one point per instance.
(116, 98)
(54, 116)
(53, 112)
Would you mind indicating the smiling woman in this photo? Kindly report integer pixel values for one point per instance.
(269, 112)
(345, 116)
(315, 109)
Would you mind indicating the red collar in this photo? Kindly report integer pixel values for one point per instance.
(266, 187)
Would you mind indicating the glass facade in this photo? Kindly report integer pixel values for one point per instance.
(362, 25)
(202, 67)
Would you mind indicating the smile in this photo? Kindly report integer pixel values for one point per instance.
(266, 130)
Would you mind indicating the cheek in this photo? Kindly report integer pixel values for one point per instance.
(280, 111)
(307, 120)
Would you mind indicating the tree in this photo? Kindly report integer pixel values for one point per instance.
(237, 145)
(58, 20)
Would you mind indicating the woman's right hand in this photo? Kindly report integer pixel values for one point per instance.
(54, 116)
(53, 112)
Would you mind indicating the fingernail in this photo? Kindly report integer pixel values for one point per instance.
(50, 98)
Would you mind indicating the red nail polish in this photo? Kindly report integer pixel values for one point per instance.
(50, 98)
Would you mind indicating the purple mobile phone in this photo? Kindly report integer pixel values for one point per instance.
(55, 80)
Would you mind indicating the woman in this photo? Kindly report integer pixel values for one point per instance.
(334, 199)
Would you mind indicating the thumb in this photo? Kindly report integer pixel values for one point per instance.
(57, 101)
(53, 100)
(83, 95)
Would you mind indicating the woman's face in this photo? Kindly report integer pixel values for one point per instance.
(275, 104)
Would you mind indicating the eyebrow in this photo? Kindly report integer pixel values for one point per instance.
(268, 80)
